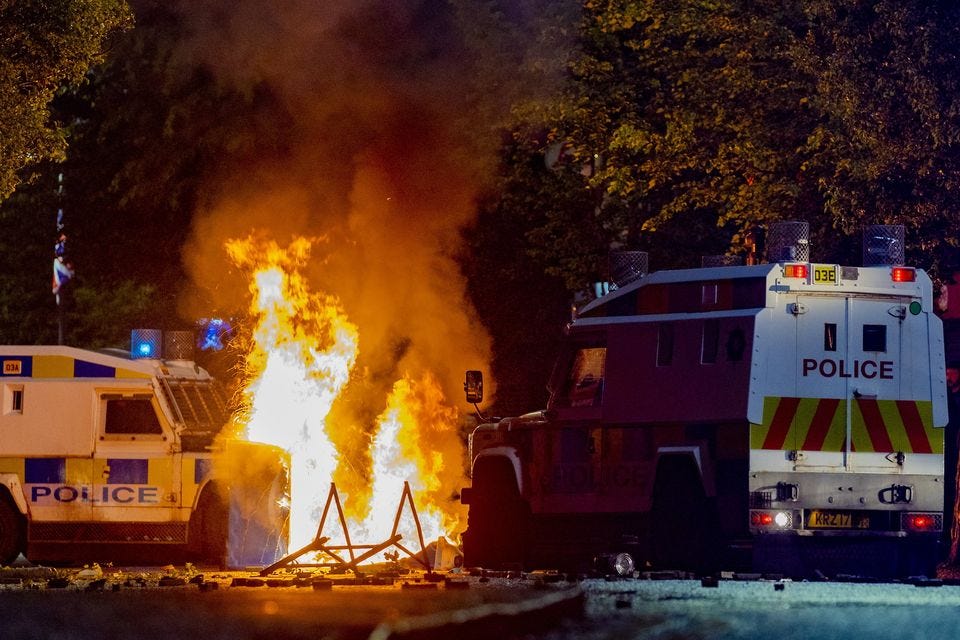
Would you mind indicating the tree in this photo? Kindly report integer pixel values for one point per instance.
(150, 131)
(718, 115)
(886, 145)
(45, 44)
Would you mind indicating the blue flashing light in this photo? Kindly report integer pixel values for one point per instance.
(145, 343)
(213, 333)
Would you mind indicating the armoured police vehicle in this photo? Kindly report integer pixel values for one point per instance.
(112, 456)
(784, 416)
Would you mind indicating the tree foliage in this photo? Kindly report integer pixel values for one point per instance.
(151, 129)
(691, 121)
(44, 45)
(886, 145)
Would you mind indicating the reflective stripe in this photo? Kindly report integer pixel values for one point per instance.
(62, 367)
(128, 471)
(819, 424)
(824, 423)
(12, 465)
(45, 470)
(52, 367)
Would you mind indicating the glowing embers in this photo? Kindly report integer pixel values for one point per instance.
(321, 544)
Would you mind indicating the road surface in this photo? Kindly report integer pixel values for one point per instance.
(166, 604)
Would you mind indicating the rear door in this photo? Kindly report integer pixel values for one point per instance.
(818, 432)
(883, 427)
(848, 412)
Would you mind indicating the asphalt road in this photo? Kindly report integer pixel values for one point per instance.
(134, 604)
(41, 603)
(675, 609)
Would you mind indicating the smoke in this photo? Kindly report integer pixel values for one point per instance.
(384, 120)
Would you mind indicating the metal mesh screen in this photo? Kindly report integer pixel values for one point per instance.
(627, 266)
(114, 532)
(788, 240)
(178, 345)
(883, 244)
(145, 343)
(721, 261)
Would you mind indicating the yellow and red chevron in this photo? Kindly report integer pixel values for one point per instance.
(819, 424)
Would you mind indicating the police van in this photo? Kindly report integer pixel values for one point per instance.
(115, 456)
(784, 416)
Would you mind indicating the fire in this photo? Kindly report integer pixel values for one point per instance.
(416, 436)
(301, 356)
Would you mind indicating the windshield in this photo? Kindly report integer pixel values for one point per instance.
(582, 381)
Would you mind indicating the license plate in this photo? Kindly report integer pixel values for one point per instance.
(825, 274)
(837, 520)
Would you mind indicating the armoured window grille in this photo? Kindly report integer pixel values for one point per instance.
(883, 244)
(201, 405)
(627, 266)
(788, 241)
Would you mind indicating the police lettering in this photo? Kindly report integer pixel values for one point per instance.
(576, 478)
(829, 368)
(102, 494)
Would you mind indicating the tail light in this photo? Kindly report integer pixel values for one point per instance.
(795, 271)
(903, 274)
(922, 522)
(772, 520)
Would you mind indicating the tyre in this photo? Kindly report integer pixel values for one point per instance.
(498, 522)
(683, 526)
(209, 528)
(12, 531)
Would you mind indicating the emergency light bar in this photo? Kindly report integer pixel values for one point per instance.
(795, 271)
(145, 343)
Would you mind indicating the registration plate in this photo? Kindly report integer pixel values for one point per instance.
(837, 520)
(825, 274)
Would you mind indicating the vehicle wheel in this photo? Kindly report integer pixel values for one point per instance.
(11, 532)
(498, 522)
(683, 525)
(208, 529)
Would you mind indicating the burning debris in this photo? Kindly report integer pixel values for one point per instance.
(301, 355)
(321, 543)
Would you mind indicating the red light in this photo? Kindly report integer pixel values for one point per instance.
(795, 270)
(922, 522)
(761, 519)
(903, 274)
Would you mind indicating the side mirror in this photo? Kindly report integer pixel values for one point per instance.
(473, 386)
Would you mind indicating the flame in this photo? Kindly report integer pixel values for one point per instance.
(416, 442)
(301, 356)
